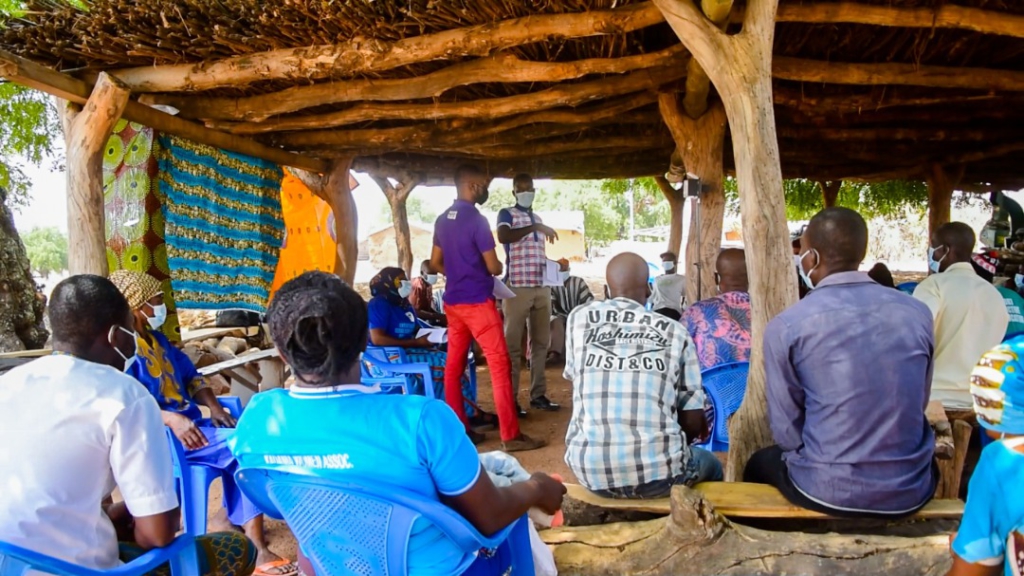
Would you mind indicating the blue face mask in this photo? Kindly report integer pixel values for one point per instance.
(806, 276)
(1019, 281)
(933, 264)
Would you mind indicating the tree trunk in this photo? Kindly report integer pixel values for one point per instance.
(941, 182)
(676, 203)
(695, 540)
(740, 68)
(830, 192)
(700, 142)
(335, 188)
(21, 308)
(398, 197)
(87, 135)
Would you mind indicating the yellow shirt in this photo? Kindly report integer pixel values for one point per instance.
(970, 319)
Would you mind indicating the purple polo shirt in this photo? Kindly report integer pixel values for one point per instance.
(463, 235)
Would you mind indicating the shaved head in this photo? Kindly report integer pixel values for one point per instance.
(627, 277)
(731, 267)
(840, 236)
(959, 237)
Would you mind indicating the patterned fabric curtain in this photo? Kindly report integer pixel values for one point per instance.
(133, 213)
(224, 225)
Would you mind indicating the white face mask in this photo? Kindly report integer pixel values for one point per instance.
(1019, 281)
(405, 289)
(129, 360)
(431, 279)
(668, 266)
(159, 316)
(525, 199)
(933, 264)
(807, 275)
(563, 276)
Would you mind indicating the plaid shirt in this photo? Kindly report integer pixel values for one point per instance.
(526, 258)
(632, 372)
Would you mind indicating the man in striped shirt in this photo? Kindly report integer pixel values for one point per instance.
(637, 396)
(572, 294)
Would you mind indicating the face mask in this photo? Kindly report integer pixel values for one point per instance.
(405, 289)
(525, 199)
(1019, 281)
(806, 276)
(668, 266)
(158, 318)
(129, 360)
(563, 276)
(431, 279)
(934, 264)
(796, 260)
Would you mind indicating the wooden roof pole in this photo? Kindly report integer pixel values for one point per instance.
(398, 196)
(87, 135)
(740, 68)
(28, 73)
(334, 186)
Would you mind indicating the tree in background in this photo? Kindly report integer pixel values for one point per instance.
(47, 250)
(650, 208)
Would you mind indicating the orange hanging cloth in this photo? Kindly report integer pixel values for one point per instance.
(309, 233)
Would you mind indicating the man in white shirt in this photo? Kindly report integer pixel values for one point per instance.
(668, 289)
(74, 427)
(970, 317)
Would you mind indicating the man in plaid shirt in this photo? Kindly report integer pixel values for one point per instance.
(637, 396)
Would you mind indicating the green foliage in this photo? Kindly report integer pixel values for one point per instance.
(420, 211)
(650, 208)
(47, 250)
(893, 199)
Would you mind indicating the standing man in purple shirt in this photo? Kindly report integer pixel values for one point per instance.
(464, 253)
(830, 360)
(523, 233)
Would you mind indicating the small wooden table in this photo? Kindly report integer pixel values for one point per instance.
(236, 367)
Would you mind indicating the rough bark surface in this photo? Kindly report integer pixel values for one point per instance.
(21, 308)
(676, 203)
(87, 135)
(695, 540)
(700, 143)
(397, 197)
(941, 181)
(830, 192)
(740, 68)
(335, 188)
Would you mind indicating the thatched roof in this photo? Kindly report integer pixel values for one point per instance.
(572, 97)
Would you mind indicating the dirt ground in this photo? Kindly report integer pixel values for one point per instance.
(550, 426)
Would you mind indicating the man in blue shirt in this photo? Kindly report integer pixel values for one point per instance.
(848, 378)
(335, 427)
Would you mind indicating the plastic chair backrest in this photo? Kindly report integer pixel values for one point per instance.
(181, 554)
(726, 386)
(907, 287)
(356, 529)
(380, 362)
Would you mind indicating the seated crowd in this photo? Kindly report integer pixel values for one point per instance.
(100, 404)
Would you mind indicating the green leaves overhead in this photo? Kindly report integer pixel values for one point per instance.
(47, 250)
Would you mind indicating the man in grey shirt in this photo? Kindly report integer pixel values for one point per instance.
(848, 372)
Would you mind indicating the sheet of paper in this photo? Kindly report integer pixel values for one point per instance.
(551, 274)
(434, 335)
(502, 292)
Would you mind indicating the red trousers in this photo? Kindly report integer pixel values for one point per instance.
(481, 322)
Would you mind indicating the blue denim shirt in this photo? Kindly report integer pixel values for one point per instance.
(848, 378)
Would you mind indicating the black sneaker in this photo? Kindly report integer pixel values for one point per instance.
(520, 412)
(543, 403)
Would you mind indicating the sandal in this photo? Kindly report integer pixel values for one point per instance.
(264, 569)
(483, 421)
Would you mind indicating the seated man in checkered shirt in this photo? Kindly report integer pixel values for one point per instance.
(637, 396)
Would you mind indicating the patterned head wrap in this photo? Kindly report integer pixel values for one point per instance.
(997, 385)
(386, 284)
(137, 287)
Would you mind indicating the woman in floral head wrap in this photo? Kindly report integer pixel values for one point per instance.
(991, 537)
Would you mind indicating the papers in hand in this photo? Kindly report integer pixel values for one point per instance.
(551, 274)
(502, 292)
(434, 335)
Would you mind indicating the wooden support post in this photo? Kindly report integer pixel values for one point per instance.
(700, 142)
(951, 470)
(830, 192)
(335, 188)
(87, 135)
(397, 197)
(676, 202)
(941, 181)
(740, 68)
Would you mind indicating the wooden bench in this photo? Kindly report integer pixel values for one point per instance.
(237, 368)
(745, 500)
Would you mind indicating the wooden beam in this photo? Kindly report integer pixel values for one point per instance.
(804, 70)
(27, 73)
(593, 145)
(698, 85)
(334, 187)
(364, 55)
(501, 68)
(942, 16)
(87, 136)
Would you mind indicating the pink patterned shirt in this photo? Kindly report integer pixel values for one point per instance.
(720, 328)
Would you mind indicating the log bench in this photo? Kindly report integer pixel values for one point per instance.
(745, 500)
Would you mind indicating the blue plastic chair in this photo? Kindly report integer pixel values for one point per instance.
(907, 287)
(377, 367)
(354, 529)
(193, 480)
(725, 386)
(181, 554)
